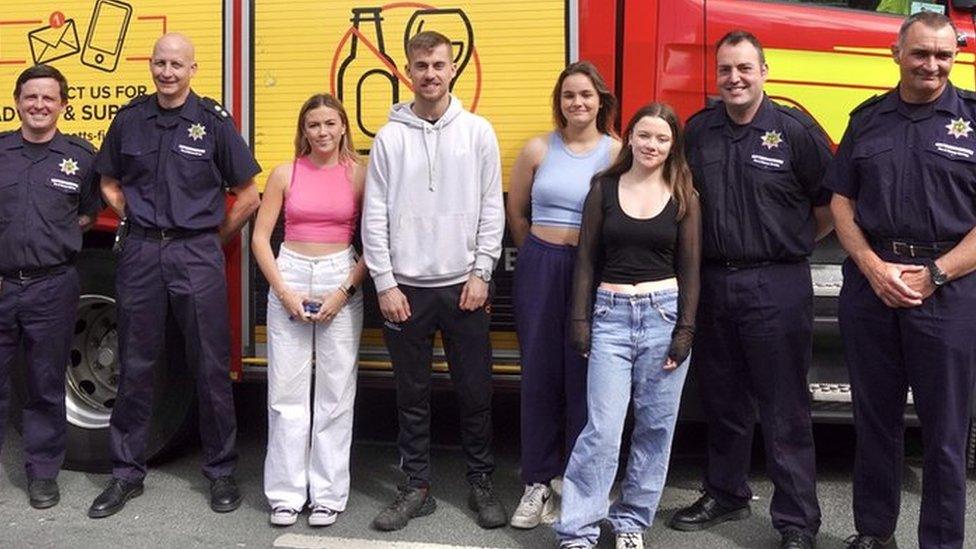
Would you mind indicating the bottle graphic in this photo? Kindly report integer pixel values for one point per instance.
(452, 23)
(366, 75)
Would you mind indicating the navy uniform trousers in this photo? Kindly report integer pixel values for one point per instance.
(41, 314)
(754, 346)
(187, 276)
(932, 349)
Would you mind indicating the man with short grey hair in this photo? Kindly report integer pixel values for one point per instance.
(905, 206)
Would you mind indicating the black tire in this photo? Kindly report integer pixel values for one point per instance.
(92, 377)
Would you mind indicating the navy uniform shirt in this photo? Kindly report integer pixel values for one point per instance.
(758, 182)
(174, 166)
(43, 190)
(910, 168)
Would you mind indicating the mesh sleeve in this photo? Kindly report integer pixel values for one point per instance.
(687, 259)
(588, 258)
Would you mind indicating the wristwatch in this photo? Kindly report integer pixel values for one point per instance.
(483, 274)
(939, 277)
(348, 289)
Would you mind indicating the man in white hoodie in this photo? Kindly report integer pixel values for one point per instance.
(432, 231)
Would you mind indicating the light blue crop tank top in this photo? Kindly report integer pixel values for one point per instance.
(562, 181)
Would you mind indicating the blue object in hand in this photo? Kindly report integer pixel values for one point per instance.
(310, 307)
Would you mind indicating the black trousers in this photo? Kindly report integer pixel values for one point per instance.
(468, 349)
(753, 349)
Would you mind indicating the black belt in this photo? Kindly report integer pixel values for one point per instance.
(166, 234)
(737, 264)
(924, 250)
(30, 274)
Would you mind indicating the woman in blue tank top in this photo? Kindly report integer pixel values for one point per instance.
(550, 180)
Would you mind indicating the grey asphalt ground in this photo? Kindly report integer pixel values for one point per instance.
(173, 512)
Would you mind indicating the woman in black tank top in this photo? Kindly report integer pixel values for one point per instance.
(635, 294)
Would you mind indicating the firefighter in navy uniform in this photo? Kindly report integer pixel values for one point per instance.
(757, 166)
(904, 183)
(165, 163)
(48, 195)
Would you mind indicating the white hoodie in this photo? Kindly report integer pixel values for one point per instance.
(432, 210)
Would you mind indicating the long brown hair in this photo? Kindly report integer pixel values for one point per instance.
(347, 152)
(676, 171)
(608, 103)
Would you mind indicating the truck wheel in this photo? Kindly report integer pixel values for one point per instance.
(92, 377)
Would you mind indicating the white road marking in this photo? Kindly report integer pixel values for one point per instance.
(302, 541)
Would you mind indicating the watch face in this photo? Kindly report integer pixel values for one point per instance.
(938, 276)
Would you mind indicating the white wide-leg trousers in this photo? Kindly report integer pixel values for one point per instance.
(310, 429)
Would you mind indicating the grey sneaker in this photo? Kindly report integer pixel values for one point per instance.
(322, 516)
(410, 503)
(630, 540)
(283, 516)
(535, 506)
(482, 500)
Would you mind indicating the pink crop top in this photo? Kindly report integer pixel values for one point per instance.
(320, 205)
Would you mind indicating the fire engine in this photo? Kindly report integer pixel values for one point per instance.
(262, 58)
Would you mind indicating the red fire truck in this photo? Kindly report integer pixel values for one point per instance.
(825, 57)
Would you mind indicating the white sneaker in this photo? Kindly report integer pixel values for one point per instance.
(283, 516)
(534, 507)
(630, 540)
(322, 516)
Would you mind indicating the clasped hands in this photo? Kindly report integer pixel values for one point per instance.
(330, 305)
(901, 286)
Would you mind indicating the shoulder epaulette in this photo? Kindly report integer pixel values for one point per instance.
(800, 116)
(80, 142)
(707, 109)
(968, 95)
(869, 101)
(137, 100)
(214, 108)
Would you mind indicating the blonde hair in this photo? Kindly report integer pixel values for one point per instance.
(347, 152)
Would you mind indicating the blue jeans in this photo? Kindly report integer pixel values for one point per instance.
(630, 339)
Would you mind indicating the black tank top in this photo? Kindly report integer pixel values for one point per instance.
(637, 250)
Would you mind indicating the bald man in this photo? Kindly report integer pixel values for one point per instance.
(165, 165)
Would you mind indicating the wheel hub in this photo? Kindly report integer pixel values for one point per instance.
(92, 378)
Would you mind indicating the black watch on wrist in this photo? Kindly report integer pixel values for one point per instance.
(938, 276)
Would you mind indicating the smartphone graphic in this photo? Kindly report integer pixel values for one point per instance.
(106, 34)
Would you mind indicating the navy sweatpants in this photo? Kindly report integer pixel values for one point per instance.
(553, 374)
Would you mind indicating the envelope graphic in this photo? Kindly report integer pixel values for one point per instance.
(50, 43)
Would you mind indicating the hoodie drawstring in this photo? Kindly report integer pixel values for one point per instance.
(431, 155)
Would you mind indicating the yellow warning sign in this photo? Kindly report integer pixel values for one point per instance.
(355, 50)
(103, 47)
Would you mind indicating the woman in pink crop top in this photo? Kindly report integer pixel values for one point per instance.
(313, 305)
